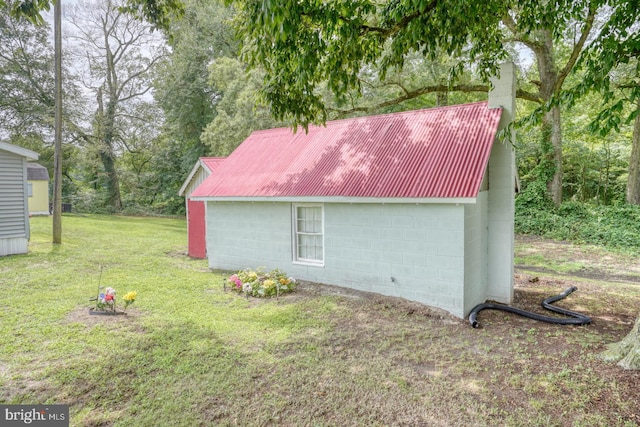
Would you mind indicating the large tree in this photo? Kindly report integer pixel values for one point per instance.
(302, 44)
(611, 67)
(119, 55)
(544, 30)
(182, 85)
(26, 78)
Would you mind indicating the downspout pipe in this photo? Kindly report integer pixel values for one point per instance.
(574, 319)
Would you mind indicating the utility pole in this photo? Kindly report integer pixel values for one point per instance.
(57, 161)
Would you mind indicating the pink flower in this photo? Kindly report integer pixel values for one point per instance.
(235, 279)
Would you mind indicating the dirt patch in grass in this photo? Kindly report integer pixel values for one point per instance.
(129, 321)
(389, 361)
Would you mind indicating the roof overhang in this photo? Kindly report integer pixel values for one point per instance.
(19, 150)
(321, 199)
(201, 163)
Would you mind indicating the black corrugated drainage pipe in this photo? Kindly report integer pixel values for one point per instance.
(575, 319)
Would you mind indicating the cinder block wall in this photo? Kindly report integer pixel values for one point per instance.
(501, 203)
(366, 245)
(476, 252)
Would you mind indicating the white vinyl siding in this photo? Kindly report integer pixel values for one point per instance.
(13, 198)
(308, 234)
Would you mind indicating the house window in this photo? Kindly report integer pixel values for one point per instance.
(308, 234)
(29, 189)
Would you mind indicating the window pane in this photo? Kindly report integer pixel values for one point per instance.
(308, 233)
(302, 252)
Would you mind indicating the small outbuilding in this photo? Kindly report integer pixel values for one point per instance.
(418, 204)
(196, 226)
(38, 189)
(14, 190)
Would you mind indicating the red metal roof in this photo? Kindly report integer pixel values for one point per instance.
(211, 162)
(433, 153)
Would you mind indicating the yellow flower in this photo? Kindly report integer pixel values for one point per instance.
(130, 296)
(284, 281)
(268, 284)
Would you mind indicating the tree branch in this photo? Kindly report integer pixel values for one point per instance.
(586, 30)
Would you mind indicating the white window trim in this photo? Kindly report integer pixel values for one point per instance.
(294, 234)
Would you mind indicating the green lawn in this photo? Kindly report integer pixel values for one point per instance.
(190, 354)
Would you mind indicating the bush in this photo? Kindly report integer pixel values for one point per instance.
(615, 226)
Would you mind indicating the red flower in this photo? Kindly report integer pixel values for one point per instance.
(108, 297)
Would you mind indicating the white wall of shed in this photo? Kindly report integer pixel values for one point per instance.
(404, 250)
(475, 252)
(501, 200)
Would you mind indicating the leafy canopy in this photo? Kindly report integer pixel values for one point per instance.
(301, 44)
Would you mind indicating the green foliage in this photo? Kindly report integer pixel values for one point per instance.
(238, 110)
(29, 9)
(534, 196)
(160, 13)
(26, 77)
(616, 226)
(610, 63)
(302, 45)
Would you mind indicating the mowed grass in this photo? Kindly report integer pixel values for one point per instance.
(190, 354)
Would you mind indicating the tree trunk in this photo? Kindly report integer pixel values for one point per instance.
(556, 141)
(442, 99)
(105, 129)
(113, 185)
(552, 120)
(633, 182)
(627, 351)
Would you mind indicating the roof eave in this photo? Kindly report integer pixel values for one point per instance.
(193, 172)
(19, 150)
(334, 199)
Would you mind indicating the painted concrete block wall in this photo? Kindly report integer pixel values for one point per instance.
(501, 191)
(405, 250)
(475, 253)
(246, 234)
(501, 209)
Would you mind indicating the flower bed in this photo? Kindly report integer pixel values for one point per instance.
(259, 284)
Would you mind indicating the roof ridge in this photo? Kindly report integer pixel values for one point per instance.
(374, 116)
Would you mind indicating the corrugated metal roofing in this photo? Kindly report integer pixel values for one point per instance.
(208, 163)
(433, 153)
(211, 162)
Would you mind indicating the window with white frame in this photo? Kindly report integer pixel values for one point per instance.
(308, 234)
(29, 189)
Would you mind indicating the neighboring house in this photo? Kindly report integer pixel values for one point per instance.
(14, 214)
(196, 226)
(38, 191)
(417, 205)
